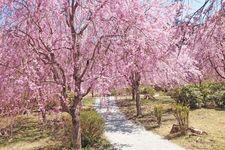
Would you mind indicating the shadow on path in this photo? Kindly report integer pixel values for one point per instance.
(125, 135)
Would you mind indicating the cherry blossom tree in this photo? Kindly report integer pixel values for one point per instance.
(69, 47)
(194, 34)
(147, 53)
(211, 43)
(202, 34)
(61, 45)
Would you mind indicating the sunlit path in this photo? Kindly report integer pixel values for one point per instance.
(124, 134)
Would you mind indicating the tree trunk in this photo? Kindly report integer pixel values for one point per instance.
(138, 101)
(92, 93)
(42, 106)
(133, 93)
(135, 80)
(43, 115)
(76, 130)
(11, 126)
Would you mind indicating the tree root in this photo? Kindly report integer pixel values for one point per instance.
(176, 131)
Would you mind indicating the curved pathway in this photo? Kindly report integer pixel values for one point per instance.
(125, 135)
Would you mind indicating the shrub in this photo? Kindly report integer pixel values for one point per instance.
(196, 99)
(147, 90)
(158, 111)
(128, 90)
(70, 95)
(67, 121)
(113, 92)
(208, 94)
(212, 87)
(188, 96)
(209, 101)
(160, 88)
(181, 114)
(219, 98)
(208, 90)
(92, 128)
(121, 91)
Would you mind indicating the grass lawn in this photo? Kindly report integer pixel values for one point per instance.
(30, 134)
(210, 120)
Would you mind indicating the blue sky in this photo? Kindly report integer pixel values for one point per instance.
(195, 4)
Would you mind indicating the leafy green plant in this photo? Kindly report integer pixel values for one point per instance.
(207, 94)
(67, 121)
(209, 91)
(128, 90)
(147, 90)
(92, 128)
(188, 96)
(219, 99)
(158, 111)
(181, 114)
(121, 91)
(113, 92)
(209, 101)
(70, 95)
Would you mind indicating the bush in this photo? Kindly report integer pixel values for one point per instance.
(67, 121)
(212, 87)
(92, 128)
(147, 90)
(128, 90)
(209, 94)
(181, 114)
(121, 91)
(209, 91)
(209, 101)
(213, 94)
(219, 99)
(188, 96)
(113, 92)
(158, 111)
(160, 88)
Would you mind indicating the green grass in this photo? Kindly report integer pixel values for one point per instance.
(30, 134)
(209, 120)
(88, 102)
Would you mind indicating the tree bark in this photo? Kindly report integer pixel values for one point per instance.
(133, 93)
(92, 93)
(135, 79)
(76, 130)
(43, 115)
(41, 108)
(138, 101)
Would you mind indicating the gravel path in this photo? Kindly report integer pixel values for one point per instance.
(125, 135)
